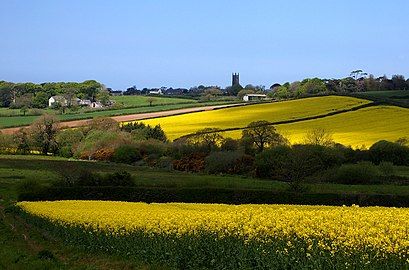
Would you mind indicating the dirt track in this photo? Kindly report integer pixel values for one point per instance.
(132, 117)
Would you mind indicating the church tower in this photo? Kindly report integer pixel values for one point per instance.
(235, 79)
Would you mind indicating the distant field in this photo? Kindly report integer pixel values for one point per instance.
(15, 121)
(176, 126)
(359, 128)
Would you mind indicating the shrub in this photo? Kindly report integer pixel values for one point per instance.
(151, 147)
(164, 163)
(308, 160)
(90, 179)
(87, 178)
(181, 148)
(229, 144)
(140, 131)
(388, 151)
(353, 174)
(297, 162)
(67, 139)
(386, 169)
(274, 163)
(65, 151)
(190, 163)
(230, 162)
(123, 179)
(100, 144)
(126, 154)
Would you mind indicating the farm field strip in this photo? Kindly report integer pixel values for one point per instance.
(358, 128)
(177, 126)
(141, 113)
(370, 232)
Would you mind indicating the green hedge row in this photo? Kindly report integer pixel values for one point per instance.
(211, 195)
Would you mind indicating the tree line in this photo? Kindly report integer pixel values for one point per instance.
(358, 81)
(31, 95)
(260, 152)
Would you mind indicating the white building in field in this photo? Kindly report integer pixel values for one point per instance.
(254, 97)
(57, 99)
(52, 101)
(156, 92)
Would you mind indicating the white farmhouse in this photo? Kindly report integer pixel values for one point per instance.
(57, 99)
(156, 92)
(254, 97)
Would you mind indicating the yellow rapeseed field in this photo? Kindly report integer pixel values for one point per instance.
(385, 230)
(358, 128)
(179, 125)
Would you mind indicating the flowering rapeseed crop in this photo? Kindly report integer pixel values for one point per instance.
(239, 117)
(383, 230)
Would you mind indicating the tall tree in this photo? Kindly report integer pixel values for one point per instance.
(43, 132)
(263, 134)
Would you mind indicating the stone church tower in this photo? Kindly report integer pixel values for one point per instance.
(235, 79)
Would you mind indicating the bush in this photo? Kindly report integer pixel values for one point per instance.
(386, 169)
(230, 162)
(151, 147)
(354, 174)
(391, 152)
(100, 145)
(297, 162)
(126, 154)
(65, 151)
(119, 179)
(274, 163)
(90, 179)
(164, 163)
(190, 163)
(229, 144)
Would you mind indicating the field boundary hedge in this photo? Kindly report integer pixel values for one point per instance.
(211, 195)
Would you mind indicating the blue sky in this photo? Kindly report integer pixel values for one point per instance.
(184, 43)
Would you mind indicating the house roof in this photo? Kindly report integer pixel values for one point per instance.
(256, 95)
(58, 98)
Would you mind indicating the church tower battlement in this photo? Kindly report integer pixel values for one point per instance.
(235, 79)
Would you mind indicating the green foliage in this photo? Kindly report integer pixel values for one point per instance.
(389, 151)
(262, 134)
(387, 169)
(126, 154)
(354, 174)
(296, 163)
(229, 162)
(43, 133)
(311, 86)
(67, 140)
(40, 100)
(89, 179)
(229, 144)
(100, 145)
(140, 131)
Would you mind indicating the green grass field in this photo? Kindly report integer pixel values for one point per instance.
(14, 169)
(16, 121)
(177, 126)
